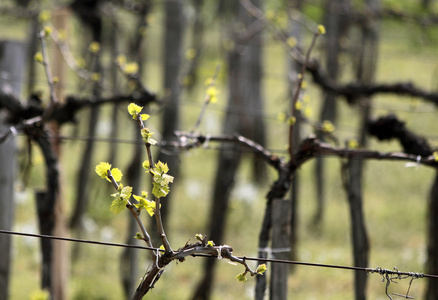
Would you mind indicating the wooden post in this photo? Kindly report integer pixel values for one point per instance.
(280, 245)
(292, 76)
(353, 185)
(336, 22)
(60, 267)
(432, 245)
(12, 61)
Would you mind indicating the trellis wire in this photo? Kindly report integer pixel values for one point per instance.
(377, 270)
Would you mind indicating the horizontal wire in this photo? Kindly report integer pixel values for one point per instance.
(134, 142)
(271, 260)
(370, 270)
(77, 240)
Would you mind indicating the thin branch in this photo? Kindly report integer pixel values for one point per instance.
(64, 112)
(297, 94)
(197, 249)
(353, 91)
(131, 208)
(135, 78)
(68, 57)
(312, 147)
(45, 62)
(188, 140)
(207, 99)
(294, 53)
(157, 213)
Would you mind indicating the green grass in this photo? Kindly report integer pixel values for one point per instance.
(395, 197)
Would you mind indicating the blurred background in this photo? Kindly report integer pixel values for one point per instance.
(205, 69)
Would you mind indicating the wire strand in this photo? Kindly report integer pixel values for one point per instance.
(271, 260)
(77, 240)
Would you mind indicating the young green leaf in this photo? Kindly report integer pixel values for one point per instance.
(138, 236)
(117, 174)
(212, 93)
(321, 30)
(131, 68)
(147, 136)
(242, 277)
(47, 30)
(144, 203)
(261, 269)
(210, 244)
(144, 117)
(160, 191)
(352, 144)
(327, 126)
(94, 47)
(161, 167)
(163, 179)
(38, 57)
(146, 165)
(118, 205)
(121, 60)
(44, 16)
(134, 110)
(125, 192)
(102, 169)
(291, 121)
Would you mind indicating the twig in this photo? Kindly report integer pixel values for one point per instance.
(157, 213)
(68, 57)
(134, 77)
(297, 94)
(189, 140)
(131, 208)
(279, 35)
(45, 62)
(207, 99)
(312, 147)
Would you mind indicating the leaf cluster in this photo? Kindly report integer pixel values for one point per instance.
(135, 111)
(161, 179)
(123, 195)
(259, 271)
(121, 198)
(144, 203)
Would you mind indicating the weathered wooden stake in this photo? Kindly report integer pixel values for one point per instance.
(432, 246)
(280, 244)
(12, 61)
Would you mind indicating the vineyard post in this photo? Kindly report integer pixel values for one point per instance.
(12, 62)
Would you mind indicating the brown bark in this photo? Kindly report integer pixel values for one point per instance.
(46, 208)
(280, 249)
(352, 177)
(12, 59)
(432, 246)
(336, 23)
